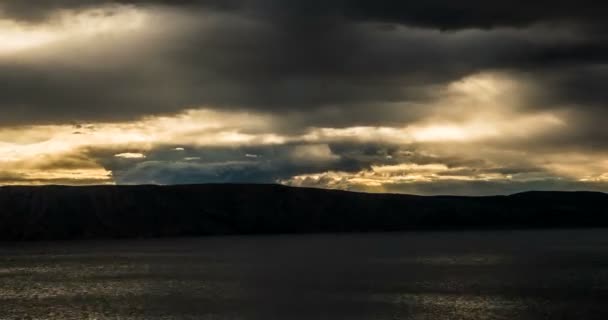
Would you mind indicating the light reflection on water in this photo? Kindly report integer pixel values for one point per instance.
(448, 275)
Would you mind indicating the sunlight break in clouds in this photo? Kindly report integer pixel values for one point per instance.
(30, 148)
(68, 25)
(376, 178)
(195, 127)
(130, 155)
(75, 154)
(402, 96)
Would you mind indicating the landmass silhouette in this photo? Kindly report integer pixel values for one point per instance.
(95, 212)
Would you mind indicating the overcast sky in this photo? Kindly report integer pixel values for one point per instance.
(430, 97)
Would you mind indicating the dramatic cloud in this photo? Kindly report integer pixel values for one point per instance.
(464, 97)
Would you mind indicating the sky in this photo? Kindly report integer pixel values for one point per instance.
(433, 97)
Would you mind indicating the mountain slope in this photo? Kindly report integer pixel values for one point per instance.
(58, 212)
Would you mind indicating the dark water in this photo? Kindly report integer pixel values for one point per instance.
(438, 275)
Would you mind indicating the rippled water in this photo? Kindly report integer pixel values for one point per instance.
(434, 275)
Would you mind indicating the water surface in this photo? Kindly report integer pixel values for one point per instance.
(421, 275)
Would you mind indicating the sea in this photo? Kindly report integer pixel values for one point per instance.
(460, 275)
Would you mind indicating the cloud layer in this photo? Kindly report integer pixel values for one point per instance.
(435, 97)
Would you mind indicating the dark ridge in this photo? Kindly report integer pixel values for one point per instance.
(60, 212)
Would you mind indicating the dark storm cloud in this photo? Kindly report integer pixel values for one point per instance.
(475, 13)
(312, 57)
(276, 56)
(330, 64)
(433, 13)
(327, 69)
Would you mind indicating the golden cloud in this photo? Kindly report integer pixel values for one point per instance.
(69, 26)
(487, 125)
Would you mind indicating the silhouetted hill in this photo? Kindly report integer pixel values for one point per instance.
(58, 212)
